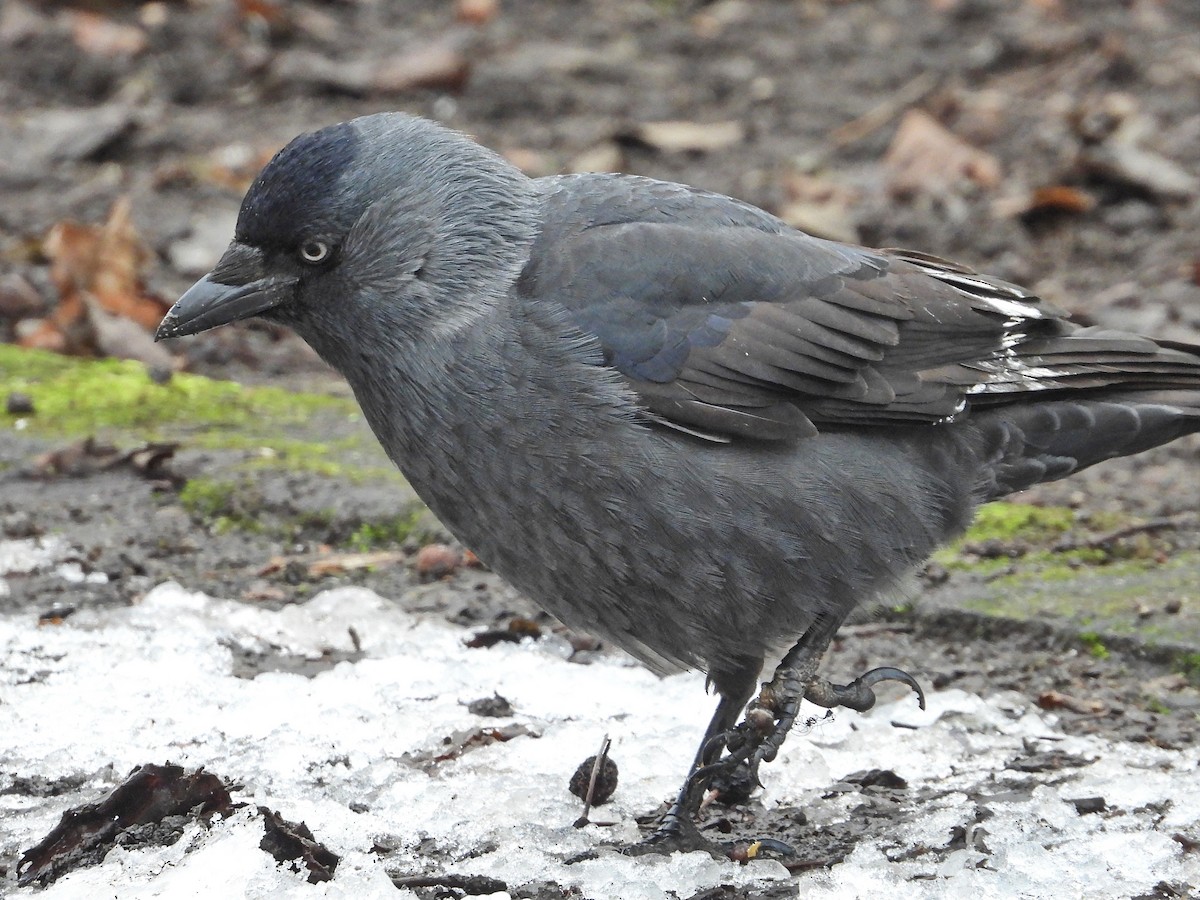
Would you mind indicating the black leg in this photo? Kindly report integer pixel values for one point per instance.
(761, 733)
(677, 831)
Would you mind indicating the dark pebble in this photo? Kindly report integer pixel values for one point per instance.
(19, 404)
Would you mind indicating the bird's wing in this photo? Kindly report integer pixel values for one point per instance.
(728, 323)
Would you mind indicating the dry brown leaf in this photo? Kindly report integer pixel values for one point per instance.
(1058, 700)
(89, 456)
(350, 562)
(97, 35)
(1062, 198)
(266, 11)
(1058, 198)
(436, 65)
(820, 207)
(686, 137)
(233, 167)
(603, 157)
(443, 64)
(476, 12)
(99, 264)
(926, 158)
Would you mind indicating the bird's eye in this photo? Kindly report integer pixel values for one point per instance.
(314, 252)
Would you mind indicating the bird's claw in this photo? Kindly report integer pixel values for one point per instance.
(857, 695)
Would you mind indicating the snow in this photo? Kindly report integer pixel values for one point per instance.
(110, 689)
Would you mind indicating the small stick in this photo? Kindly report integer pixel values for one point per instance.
(591, 791)
(877, 117)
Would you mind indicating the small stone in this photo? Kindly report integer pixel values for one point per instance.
(437, 561)
(1085, 805)
(19, 524)
(19, 404)
(495, 707)
(18, 298)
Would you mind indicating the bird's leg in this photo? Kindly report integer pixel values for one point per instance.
(677, 830)
(796, 679)
(769, 718)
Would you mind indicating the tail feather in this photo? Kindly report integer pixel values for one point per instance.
(1030, 443)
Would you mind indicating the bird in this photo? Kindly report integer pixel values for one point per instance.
(668, 417)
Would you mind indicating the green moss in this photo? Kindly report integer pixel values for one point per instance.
(223, 505)
(1188, 664)
(1003, 521)
(205, 498)
(387, 533)
(75, 397)
(118, 401)
(1155, 705)
(1094, 644)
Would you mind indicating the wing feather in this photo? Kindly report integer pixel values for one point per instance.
(729, 324)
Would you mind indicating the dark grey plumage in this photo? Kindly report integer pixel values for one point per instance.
(664, 414)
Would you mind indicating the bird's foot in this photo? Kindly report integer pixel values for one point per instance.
(676, 833)
(857, 695)
(780, 699)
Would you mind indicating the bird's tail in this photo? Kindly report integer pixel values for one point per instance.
(1026, 444)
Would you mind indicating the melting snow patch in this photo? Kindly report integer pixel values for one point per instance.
(110, 689)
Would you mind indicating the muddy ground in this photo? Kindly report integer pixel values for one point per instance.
(1088, 116)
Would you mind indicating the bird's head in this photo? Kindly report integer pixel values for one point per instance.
(389, 218)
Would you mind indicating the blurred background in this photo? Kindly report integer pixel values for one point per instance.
(1055, 143)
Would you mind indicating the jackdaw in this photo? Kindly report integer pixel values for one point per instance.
(665, 415)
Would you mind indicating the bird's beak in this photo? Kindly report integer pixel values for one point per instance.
(238, 287)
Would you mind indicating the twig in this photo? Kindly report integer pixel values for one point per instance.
(1105, 541)
(597, 767)
(471, 884)
(876, 118)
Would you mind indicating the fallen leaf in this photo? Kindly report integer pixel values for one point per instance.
(1057, 700)
(442, 64)
(1123, 160)
(476, 12)
(351, 562)
(293, 842)
(100, 265)
(820, 207)
(150, 794)
(685, 137)
(517, 630)
(1115, 134)
(98, 35)
(455, 745)
(267, 12)
(436, 65)
(1058, 198)
(926, 158)
(603, 157)
(89, 456)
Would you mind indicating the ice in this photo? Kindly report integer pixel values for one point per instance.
(29, 555)
(110, 689)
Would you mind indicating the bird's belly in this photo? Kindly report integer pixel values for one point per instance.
(684, 553)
